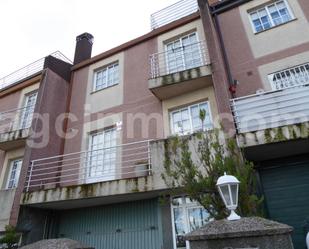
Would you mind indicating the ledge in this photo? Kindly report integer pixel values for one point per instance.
(245, 227)
(274, 135)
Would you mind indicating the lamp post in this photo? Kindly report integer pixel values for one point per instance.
(228, 186)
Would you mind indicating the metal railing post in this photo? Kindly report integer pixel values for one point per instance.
(30, 175)
(149, 157)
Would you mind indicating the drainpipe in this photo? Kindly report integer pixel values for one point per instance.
(232, 82)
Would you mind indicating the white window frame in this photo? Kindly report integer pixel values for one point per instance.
(17, 173)
(188, 107)
(91, 179)
(185, 206)
(266, 8)
(182, 51)
(109, 83)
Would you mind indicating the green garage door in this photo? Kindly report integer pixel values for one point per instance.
(286, 190)
(133, 225)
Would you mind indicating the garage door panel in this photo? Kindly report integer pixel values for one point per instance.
(286, 189)
(133, 225)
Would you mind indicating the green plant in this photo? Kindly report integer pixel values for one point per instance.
(10, 238)
(197, 176)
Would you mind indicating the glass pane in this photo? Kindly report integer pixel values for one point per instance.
(265, 22)
(234, 189)
(184, 114)
(14, 173)
(258, 25)
(195, 111)
(180, 230)
(116, 74)
(198, 217)
(226, 194)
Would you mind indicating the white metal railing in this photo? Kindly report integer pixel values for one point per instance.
(271, 109)
(106, 164)
(294, 76)
(16, 119)
(29, 70)
(173, 12)
(179, 59)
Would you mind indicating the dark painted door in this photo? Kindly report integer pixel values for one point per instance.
(286, 190)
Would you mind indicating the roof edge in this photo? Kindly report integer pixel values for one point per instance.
(226, 5)
(138, 40)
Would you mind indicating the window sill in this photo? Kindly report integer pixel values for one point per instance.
(292, 20)
(93, 92)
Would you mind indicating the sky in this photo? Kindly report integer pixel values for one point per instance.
(32, 29)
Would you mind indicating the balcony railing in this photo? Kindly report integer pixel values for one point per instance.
(173, 12)
(29, 70)
(179, 59)
(113, 163)
(294, 76)
(271, 109)
(16, 119)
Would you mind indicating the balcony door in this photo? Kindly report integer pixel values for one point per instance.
(183, 53)
(26, 112)
(187, 216)
(101, 159)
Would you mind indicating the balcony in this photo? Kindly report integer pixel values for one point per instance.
(180, 70)
(104, 174)
(121, 173)
(15, 126)
(173, 12)
(29, 71)
(273, 116)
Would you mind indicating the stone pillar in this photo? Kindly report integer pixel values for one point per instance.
(246, 233)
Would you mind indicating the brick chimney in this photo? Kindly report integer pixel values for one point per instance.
(83, 47)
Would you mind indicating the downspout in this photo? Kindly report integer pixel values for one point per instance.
(232, 84)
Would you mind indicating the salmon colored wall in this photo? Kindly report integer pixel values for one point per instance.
(137, 99)
(244, 62)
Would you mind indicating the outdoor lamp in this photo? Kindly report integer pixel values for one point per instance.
(228, 188)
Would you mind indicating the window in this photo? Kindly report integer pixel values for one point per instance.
(187, 120)
(14, 173)
(188, 215)
(27, 111)
(108, 76)
(183, 53)
(294, 76)
(270, 16)
(101, 163)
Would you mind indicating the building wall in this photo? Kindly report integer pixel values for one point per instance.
(249, 53)
(10, 101)
(109, 97)
(51, 103)
(127, 102)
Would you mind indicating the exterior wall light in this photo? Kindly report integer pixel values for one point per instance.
(228, 188)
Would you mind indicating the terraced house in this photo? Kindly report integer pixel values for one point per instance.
(91, 168)
(101, 181)
(265, 45)
(21, 97)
